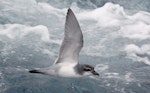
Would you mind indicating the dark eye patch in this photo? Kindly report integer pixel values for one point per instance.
(87, 69)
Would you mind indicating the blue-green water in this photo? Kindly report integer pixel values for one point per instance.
(116, 42)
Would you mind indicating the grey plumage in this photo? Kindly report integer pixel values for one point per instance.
(73, 40)
(81, 68)
(66, 65)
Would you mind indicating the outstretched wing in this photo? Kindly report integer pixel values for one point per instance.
(73, 40)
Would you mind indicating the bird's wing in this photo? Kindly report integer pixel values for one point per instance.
(72, 42)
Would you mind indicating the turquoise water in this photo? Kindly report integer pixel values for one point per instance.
(116, 42)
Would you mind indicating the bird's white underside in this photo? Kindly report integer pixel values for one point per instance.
(67, 70)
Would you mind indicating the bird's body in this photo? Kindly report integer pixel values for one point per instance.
(61, 69)
(67, 65)
(67, 70)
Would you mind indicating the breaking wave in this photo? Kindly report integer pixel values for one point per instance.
(116, 40)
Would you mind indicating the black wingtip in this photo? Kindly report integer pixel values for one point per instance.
(34, 71)
(69, 10)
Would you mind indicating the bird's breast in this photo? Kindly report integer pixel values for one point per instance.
(67, 70)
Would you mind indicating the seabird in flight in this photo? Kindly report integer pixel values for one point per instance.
(67, 65)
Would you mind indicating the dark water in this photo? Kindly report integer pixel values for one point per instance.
(116, 41)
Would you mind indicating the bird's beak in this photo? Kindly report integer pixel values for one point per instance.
(95, 73)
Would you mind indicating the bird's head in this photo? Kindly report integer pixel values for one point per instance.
(89, 70)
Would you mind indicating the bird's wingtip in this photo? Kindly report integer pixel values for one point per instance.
(34, 71)
(69, 10)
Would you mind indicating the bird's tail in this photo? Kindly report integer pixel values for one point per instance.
(36, 71)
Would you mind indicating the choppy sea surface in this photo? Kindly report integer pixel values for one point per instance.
(116, 41)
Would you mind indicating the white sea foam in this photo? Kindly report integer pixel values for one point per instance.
(51, 10)
(33, 37)
(138, 31)
(128, 77)
(114, 15)
(105, 29)
(13, 31)
(103, 26)
(139, 54)
(112, 75)
(30, 12)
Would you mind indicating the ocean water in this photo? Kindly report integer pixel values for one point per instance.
(116, 41)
